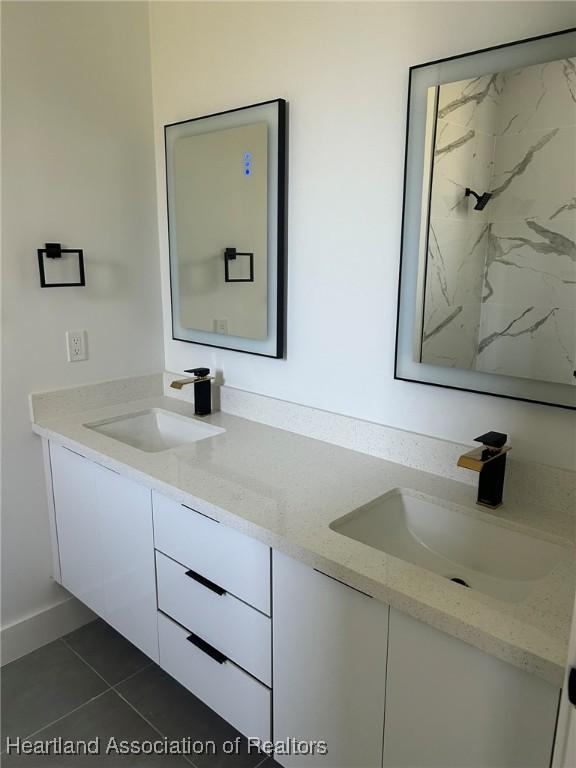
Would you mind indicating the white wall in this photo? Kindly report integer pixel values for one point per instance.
(343, 67)
(78, 168)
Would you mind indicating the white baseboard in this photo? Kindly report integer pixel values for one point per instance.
(43, 627)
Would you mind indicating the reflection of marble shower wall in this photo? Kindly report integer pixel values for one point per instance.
(501, 283)
(463, 156)
(528, 319)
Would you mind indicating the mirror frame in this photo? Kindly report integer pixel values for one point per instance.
(521, 53)
(277, 193)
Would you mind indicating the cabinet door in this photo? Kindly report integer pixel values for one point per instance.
(78, 528)
(127, 547)
(329, 671)
(449, 704)
(106, 545)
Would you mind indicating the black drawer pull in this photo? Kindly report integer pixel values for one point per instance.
(207, 648)
(206, 582)
(338, 581)
(572, 686)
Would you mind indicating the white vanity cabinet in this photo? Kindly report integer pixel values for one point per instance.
(449, 704)
(105, 545)
(329, 667)
(283, 651)
(214, 623)
(383, 689)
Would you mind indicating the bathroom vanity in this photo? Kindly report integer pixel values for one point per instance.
(216, 558)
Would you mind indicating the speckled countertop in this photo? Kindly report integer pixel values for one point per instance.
(285, 489)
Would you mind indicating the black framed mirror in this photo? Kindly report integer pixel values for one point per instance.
(225, 181)
(487, 294)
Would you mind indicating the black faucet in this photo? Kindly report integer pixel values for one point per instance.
(490, 462)
(202, 389)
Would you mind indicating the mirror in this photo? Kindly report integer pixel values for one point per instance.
(488, 274)
(225, 186)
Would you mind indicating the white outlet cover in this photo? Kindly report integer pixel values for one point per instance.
(76, 345)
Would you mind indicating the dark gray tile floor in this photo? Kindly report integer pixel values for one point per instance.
(94, 685)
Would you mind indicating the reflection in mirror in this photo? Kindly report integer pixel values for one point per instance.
(221, 197)
(498, 247)
(225, 184)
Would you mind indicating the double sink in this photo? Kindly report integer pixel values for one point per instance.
(466, 546)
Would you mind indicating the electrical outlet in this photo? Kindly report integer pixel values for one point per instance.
(222, 326)
(76, 346)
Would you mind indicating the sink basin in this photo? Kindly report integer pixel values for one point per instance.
(466, 546)
(155, 429)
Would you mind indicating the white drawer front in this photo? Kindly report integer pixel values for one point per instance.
(239, 631)
(235, 562)
(232, 693)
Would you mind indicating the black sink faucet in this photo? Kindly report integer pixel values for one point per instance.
(202, 389)
(490, 462)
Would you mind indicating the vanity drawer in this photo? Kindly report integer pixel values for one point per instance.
(240, 632)
(228, 690)
(237, 563)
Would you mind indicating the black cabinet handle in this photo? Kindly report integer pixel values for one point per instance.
(572, 686)
(206, 582)
(207, 648)
(338, 581)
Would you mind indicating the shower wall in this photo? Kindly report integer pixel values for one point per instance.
(528, 319)
(457, 235)
(500, 290)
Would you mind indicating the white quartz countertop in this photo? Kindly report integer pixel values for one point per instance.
(285, 489)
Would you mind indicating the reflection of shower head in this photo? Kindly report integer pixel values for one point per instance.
(481, 200)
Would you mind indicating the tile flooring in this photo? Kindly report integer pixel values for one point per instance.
(94, 684)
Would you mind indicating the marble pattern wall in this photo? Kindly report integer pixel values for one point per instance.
(501, 283)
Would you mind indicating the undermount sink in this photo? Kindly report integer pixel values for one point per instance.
(464, 547)
(155, 429)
